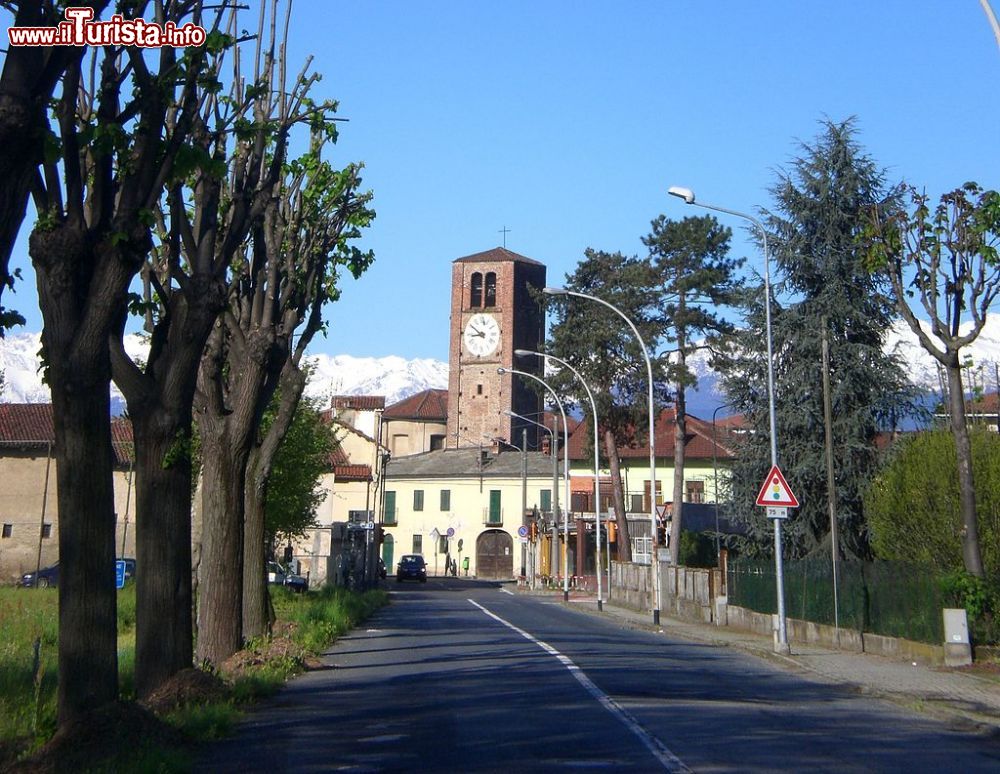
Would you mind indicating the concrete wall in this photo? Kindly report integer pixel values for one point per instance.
(692, 594)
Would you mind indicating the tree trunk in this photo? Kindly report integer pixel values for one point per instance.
(75, 348)
(618, 499)
(220, 602)
(256, 612)
(164, 629)
(971, 554)
(88, 648)
(680, 437)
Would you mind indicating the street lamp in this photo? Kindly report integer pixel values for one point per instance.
(555, 477)
(655, 576)
(689, 198)
(555, 397)
(597, 470)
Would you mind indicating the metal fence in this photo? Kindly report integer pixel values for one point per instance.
(888, 598)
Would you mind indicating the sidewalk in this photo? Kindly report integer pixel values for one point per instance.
(969, 701)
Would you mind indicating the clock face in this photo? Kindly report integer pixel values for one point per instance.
(482, 334)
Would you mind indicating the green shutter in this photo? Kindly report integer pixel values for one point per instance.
(495, 517)
(546, 499)
(389, 511)
(445, 499)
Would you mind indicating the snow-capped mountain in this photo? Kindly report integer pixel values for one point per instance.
(394, 377)
(397, 378)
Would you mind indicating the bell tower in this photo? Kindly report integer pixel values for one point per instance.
(492, 314)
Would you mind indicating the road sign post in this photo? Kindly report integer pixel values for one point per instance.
(777, 497)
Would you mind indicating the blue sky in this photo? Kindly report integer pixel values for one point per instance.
(566, 122)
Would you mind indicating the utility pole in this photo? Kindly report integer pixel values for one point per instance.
(831, 492)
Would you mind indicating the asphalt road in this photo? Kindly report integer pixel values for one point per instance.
(459, 676)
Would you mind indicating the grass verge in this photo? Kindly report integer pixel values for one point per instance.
(198, 707)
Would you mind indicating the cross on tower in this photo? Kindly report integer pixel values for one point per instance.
(505, 231)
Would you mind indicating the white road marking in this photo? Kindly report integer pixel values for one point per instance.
(660, 751)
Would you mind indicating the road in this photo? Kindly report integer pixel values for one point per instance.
(456, 675)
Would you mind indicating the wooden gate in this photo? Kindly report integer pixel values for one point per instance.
(495, 555)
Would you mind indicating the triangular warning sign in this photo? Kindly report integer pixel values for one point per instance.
(776, 492)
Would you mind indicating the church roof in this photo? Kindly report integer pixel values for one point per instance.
(498, 254)
(428, 406)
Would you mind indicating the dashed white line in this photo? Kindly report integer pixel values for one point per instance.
(660, 751)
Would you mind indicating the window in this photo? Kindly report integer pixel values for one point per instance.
(695, 491)
(636, 503)
(479, 389)
(445, 499)
(476, 299)
(418, 499)
(645, 497)
(580, 502)
(496, 514)
(46, 531)
(545, 497)
(491, 289)
(418, 544)
(8, 529)
(443, 544)
(389, 508)
(437, 442)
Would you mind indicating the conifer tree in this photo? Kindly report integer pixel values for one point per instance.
(813, 235)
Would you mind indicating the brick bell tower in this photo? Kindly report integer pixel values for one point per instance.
(492, 314)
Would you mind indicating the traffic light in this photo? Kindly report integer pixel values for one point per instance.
(612, 532)
(533, 531)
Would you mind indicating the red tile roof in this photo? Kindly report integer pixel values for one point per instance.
(358, 402)
(29, 425)
(26, 424)
(352, 472)
(698, 443)
(497, 254)
(428, 406)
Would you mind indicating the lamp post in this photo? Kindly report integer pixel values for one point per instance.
(555, 397)
(689, 198)
(597, 469)
(555, 473)
(655, 576)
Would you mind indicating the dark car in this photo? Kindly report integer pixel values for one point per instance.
(411, 567)
(47, 576)
(381, 568)
(296, 582)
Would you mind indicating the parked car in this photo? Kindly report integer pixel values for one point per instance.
(275, 574)
(281, 576)
(381, 568)
(47, 576)
(411, 567)
(296, 582)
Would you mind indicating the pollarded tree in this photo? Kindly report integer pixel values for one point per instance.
(119, 126)
(275, 305)
(223, 182)
(944, 263)
(601, 347)
(696, 279)
(813, 236)
(29, 78)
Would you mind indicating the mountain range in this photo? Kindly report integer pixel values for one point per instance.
(397, 377)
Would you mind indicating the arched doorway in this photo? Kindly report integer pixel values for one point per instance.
(495, 555)
(387, 551)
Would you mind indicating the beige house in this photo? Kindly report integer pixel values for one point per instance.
(417, 424)
(29, 518)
